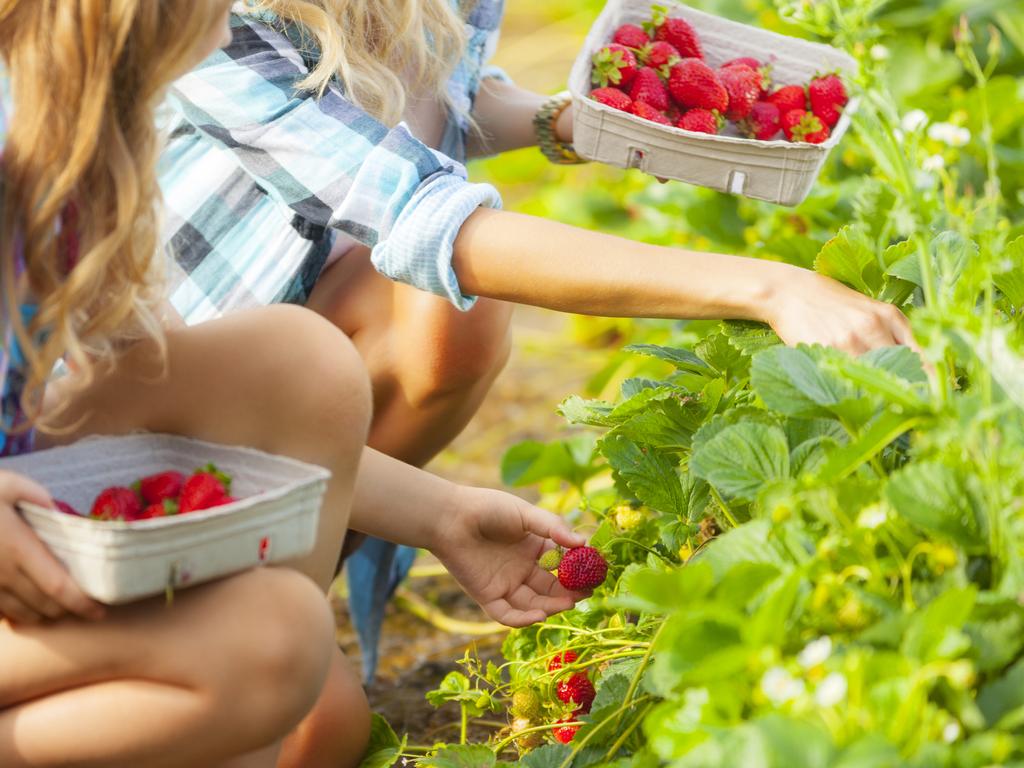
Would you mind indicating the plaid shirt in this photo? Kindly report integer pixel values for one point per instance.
(260, 178)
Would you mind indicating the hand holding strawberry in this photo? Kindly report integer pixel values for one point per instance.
(491, 542)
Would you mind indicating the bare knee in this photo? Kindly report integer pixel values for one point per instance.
(273, 678)
(456, 364)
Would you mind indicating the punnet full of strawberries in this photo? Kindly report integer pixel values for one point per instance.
(658, 72)
(165, 494)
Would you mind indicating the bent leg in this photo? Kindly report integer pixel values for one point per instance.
(279, 379)
(229, 669)
(431, 365)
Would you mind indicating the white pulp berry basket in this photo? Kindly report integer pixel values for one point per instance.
(275, 519)
(777, 171)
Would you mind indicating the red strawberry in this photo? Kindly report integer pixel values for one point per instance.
(565, 733)
(649, 88)
(163, 508)
(582, 568)
(116, 503)
(660, 56)
(647, 112)
(614, 65)
(765, 70)
(677, 32)
(562, 659)
(577, 690)
(694, 84)
(743, 85)
(701, 121)
(612, 97)
(164, 485)
(763, 123)
(828, 97)
(631, 36)
(800, 125)
(789, 98)
(207, 488)
(67, 509)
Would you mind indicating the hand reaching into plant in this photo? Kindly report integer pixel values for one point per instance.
(491, 543)
(33, 585)
(807, 308)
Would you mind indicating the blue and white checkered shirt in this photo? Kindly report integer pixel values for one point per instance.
(260, 178)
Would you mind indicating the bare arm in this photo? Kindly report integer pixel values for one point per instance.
(504, 115)
(529, 260)
(489, 540)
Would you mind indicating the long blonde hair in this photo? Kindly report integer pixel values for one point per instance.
(86, 77)
(382, 50)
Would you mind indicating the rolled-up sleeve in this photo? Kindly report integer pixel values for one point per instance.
(330, 162)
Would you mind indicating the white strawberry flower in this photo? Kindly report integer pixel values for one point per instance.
(951, 732)
(879, 52)
(780, 687)
(949, 134)
(914, 120)
(815, 653)
(873, 516)
(933, 163)
(831, 690)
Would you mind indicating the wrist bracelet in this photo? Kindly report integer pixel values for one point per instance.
(558, 152)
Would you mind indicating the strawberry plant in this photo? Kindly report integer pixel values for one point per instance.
(813, 559)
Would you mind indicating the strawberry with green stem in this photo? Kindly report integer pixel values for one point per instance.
(828, 97)
(631, 36)
(614, 65)
(679, 33)
(802, 126)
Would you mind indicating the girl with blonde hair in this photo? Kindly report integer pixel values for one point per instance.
(227, 672)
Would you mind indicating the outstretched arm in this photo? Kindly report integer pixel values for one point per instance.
(529, 260)
(504, 116)
(489, 540)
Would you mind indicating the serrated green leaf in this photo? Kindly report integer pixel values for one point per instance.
(465, 756)
(742, 458)
(385, 747)
(936, 498)
(935, 632)
(850, 258)
(880, 433)
(792, 382)
(682, 359)
(750, 543)
(649, 474)
(1010, 281)
(750, 338)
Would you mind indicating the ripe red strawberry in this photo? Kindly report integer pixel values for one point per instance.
(747, 61)
(789, 98)
(800, 125)
(582, 568)
(577, 690)
(612, 97)
(828, 97)
(676, 32)
(649, 88)
(163, 508)
(67, 509)
(164, 485)
(565, 733)
(694, 84)
(614, 65)
(660, 56)
(701, 121)
(763, 123)
(647, 112)
(743, 85)
(562, 659)
(116, 503)
(631, 36)
(205, 489)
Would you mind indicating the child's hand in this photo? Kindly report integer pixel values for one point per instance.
(491, 545)
(33, 585)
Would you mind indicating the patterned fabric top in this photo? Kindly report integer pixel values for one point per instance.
(260, 178)
(12, 374)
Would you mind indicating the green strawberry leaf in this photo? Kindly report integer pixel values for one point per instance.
(938, 499)
(682, 359)
(475, 756)
(649, 474)
(849, 257)
(385, 747)
(792, 381)
(742, 458)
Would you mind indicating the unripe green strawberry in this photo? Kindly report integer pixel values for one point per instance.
(526, 703)
(628, 518)
(550, 560)
(528, 741)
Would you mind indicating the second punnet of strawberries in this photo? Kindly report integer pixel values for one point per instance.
(582, 569)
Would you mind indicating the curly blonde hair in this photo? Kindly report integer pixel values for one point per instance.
(86, 77)
(382, 50)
